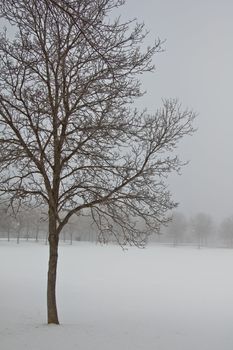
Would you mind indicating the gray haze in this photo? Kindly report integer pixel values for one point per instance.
(196, 67)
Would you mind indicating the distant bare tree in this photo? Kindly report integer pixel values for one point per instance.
(5, 222)
(202, 227)
(226, 231)
(177, 228)
(70, 138)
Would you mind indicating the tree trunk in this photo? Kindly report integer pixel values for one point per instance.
(37, 233)
(52, 272)
(18, 235)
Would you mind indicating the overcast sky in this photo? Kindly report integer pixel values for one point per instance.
(196, 67)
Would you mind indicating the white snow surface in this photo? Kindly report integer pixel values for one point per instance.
(158, 298)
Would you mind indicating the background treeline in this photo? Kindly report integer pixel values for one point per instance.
(199, 230)
(33, 224)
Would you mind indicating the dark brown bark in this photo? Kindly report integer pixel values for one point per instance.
(52, 273)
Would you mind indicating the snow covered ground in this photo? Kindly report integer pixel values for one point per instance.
(159, 298)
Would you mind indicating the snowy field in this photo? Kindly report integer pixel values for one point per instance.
(159, 298)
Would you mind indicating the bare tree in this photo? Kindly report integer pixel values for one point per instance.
(70, 137)
(177, 228)
(5, 222)
(226, 231)
(202, 227)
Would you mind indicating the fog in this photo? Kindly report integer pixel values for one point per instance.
(196, 67)
(166, 296)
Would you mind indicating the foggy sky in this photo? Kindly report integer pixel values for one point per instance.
(195, 67)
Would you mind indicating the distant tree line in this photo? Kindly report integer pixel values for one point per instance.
(33, 225)
(200, 230)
